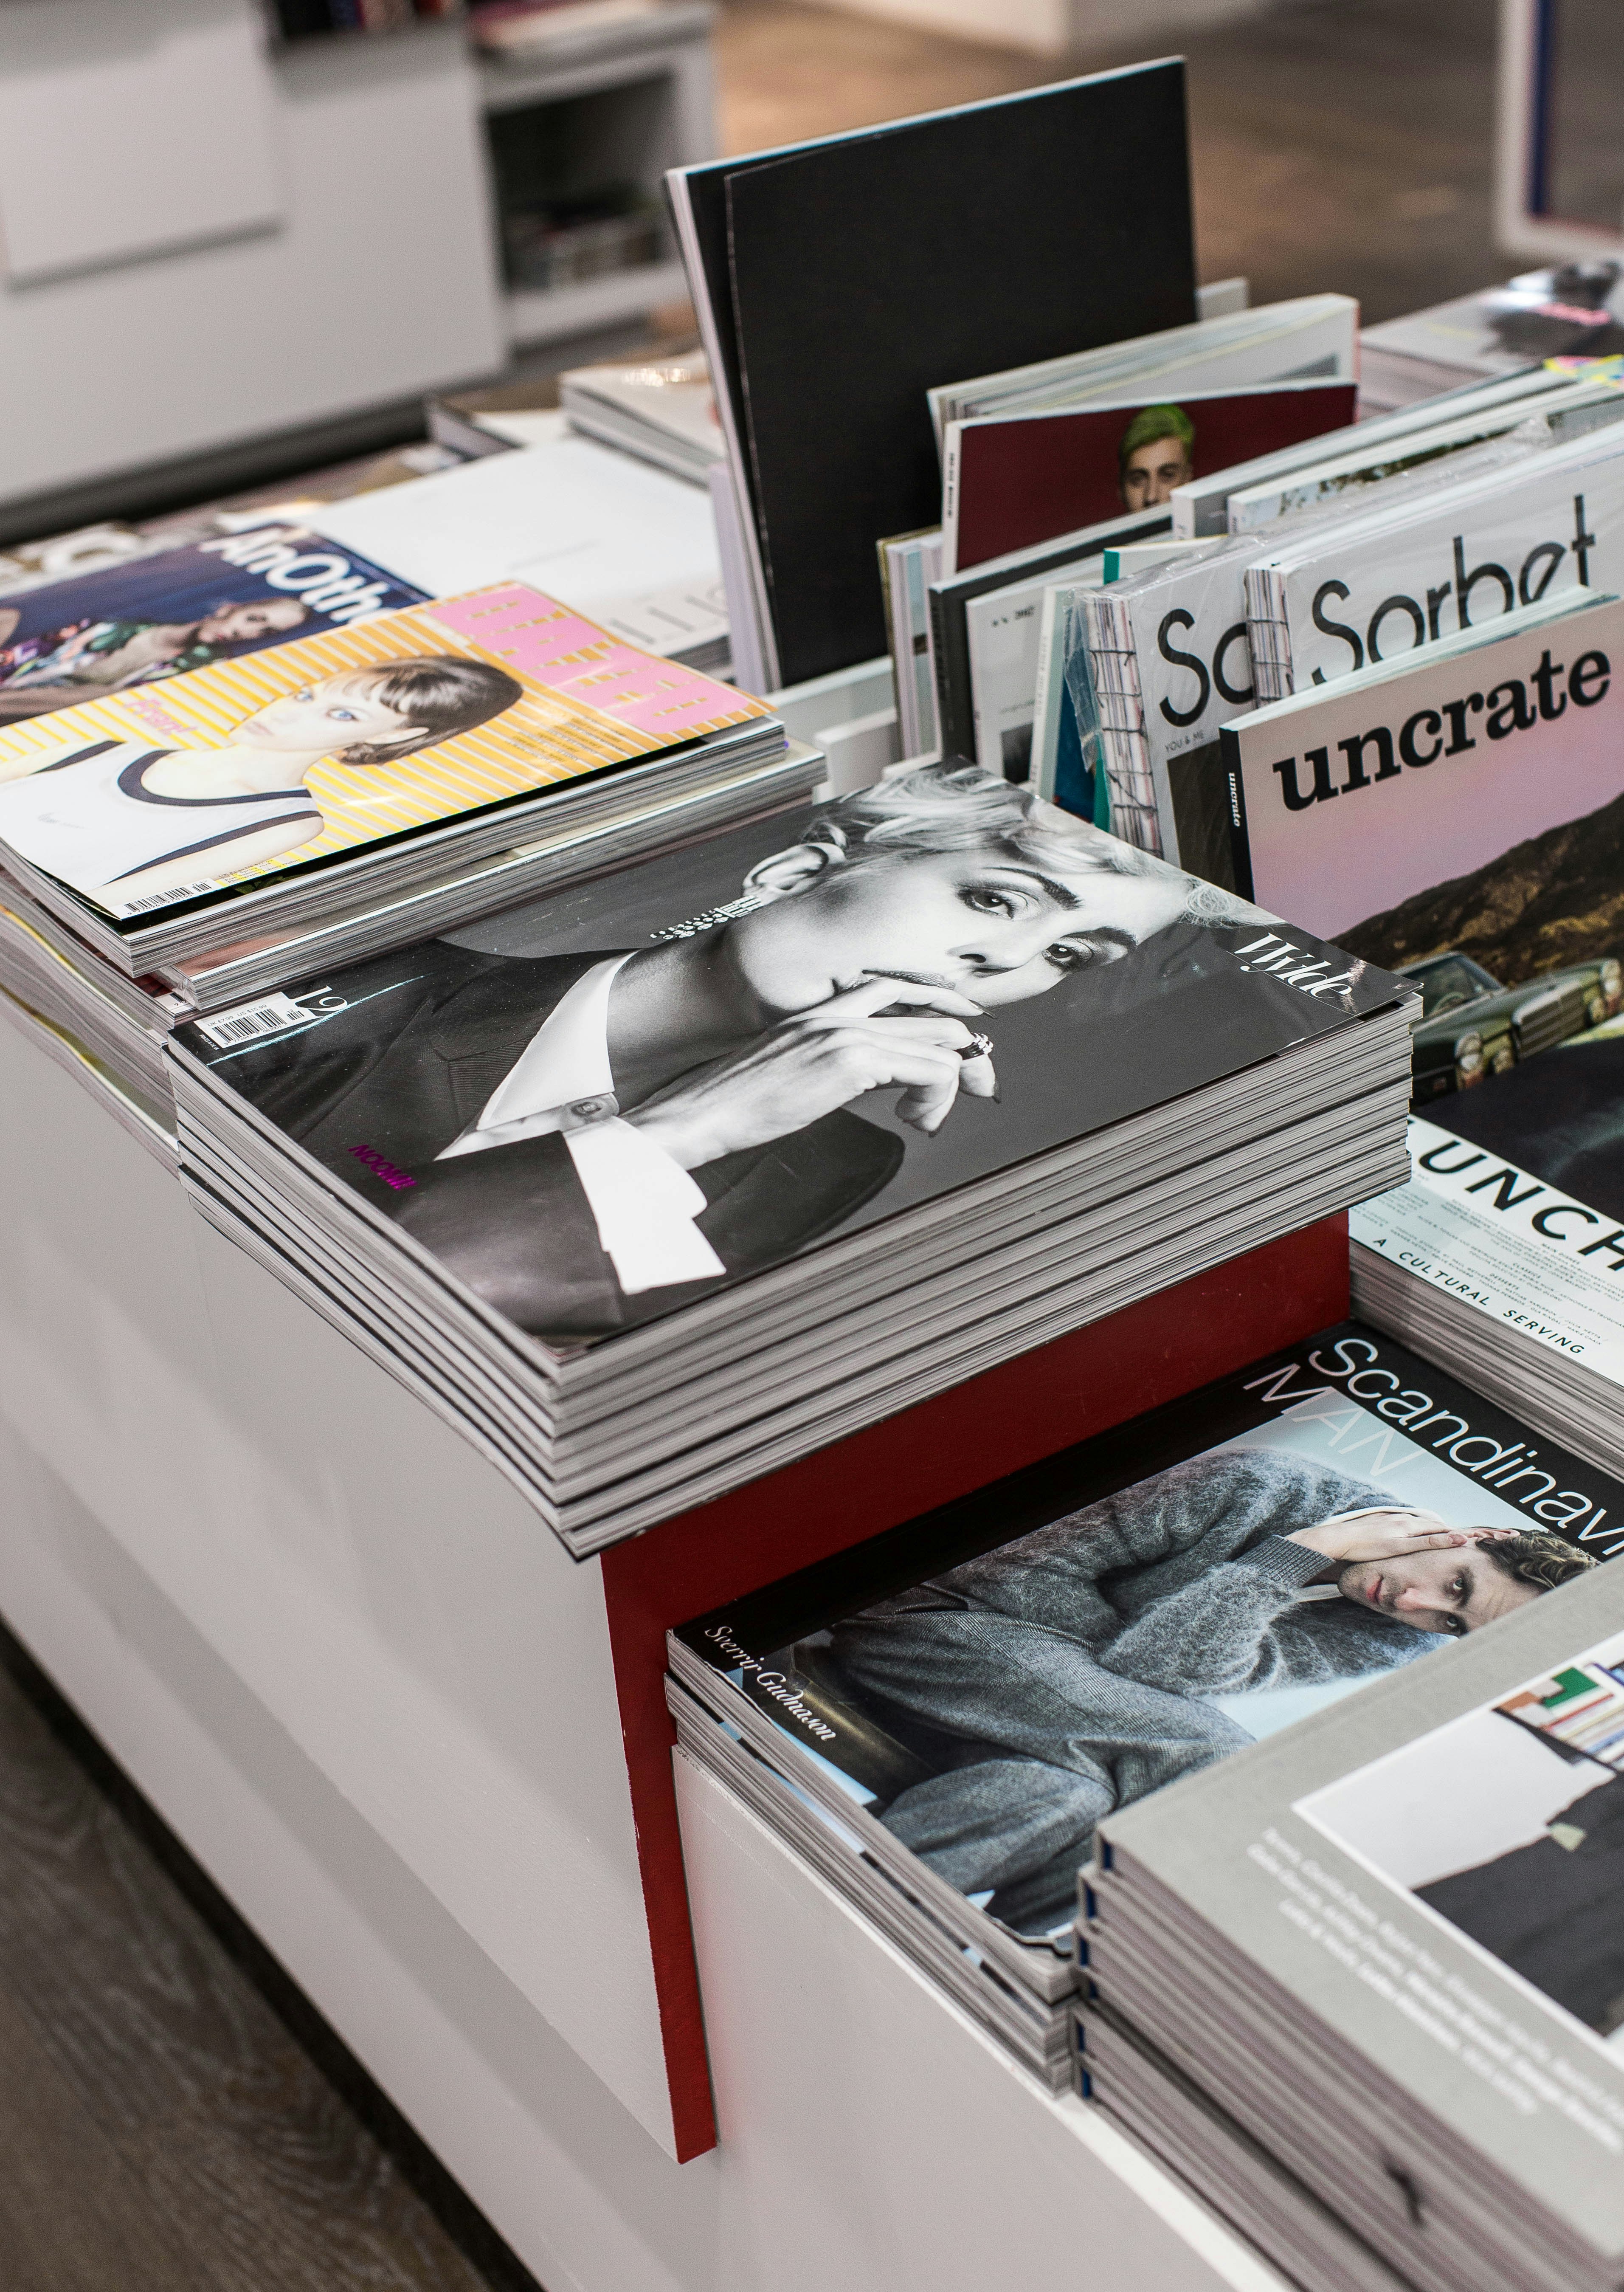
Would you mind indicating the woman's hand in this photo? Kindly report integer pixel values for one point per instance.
(1383, 1534)
(806, 1067)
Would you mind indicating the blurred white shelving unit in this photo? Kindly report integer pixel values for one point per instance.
(602, 111)
(214, 245)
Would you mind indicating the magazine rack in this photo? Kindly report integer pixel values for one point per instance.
(427, 1754)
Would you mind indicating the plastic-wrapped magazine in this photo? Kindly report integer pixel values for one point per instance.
(1170, 655)
(1556, 417)
(1069, 763)
(1200, 505)
(1396, 577)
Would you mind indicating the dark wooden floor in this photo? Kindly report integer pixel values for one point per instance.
(171, 2114)
(174, 2116)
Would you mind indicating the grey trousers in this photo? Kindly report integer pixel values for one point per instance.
(1037, 1739)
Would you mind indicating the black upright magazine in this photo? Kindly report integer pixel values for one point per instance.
(957, 243)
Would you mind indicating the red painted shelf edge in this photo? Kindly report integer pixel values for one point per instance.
(1010, 1416)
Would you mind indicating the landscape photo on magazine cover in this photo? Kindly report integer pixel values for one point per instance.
(1521, 967)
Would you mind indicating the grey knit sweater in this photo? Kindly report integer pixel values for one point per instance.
(1066, 1673)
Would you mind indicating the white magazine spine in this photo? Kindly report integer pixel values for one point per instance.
(745, 630)
(1045, 700)
(1124, 751)
(1269, 633)
(952, 452)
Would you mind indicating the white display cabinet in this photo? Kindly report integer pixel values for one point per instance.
(426, 1755)
(209, 241)
(222, 256)
(614, 108)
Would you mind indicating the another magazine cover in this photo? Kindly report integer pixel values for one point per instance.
(602, 1106)
(1459, 820)
(989, 1683)
(1011, 480)
(246, 770)
(160, 616)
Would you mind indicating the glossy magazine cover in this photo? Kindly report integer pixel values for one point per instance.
(159, 616)
(987, 1683)
(602, 1106)
(1458, 819)
(155, 799)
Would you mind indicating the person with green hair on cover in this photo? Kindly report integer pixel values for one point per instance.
(1156, 454)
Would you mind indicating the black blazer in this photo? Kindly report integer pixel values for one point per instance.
(1551, 1911)
(419, 1041)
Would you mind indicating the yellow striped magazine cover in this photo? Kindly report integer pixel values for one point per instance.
(268, 764)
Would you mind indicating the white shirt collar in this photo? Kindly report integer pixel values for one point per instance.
(562, 1076)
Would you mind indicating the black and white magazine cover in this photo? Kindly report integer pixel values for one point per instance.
(609, 1105)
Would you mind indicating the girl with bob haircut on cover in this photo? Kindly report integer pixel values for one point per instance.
(129, 824)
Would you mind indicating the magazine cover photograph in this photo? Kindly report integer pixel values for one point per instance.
(988, 1698)
(598, 1107)
(1508, 1825)
(1014, 480)
(163, 615)
(252, 768)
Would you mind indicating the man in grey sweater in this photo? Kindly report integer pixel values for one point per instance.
(1065, 1675)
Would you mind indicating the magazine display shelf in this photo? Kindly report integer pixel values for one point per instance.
(427, 1754)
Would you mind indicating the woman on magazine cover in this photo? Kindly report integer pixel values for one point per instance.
(588, 1138)
(128, 823)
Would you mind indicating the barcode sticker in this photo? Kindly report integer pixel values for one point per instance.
(273, 1015)
(165, 899)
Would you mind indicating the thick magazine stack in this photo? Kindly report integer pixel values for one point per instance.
(1386, 1946)
(941, 1719)
(594, 1183)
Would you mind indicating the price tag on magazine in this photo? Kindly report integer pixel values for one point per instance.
(271, 1014)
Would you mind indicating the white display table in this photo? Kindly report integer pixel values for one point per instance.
(392, 1718)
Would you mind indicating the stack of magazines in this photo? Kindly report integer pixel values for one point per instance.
(1455, 814)
(655, 1186)
(940, 1720)
(229, 817)
(1374, 1969)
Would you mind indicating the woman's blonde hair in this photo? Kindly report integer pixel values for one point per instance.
(960, 808)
